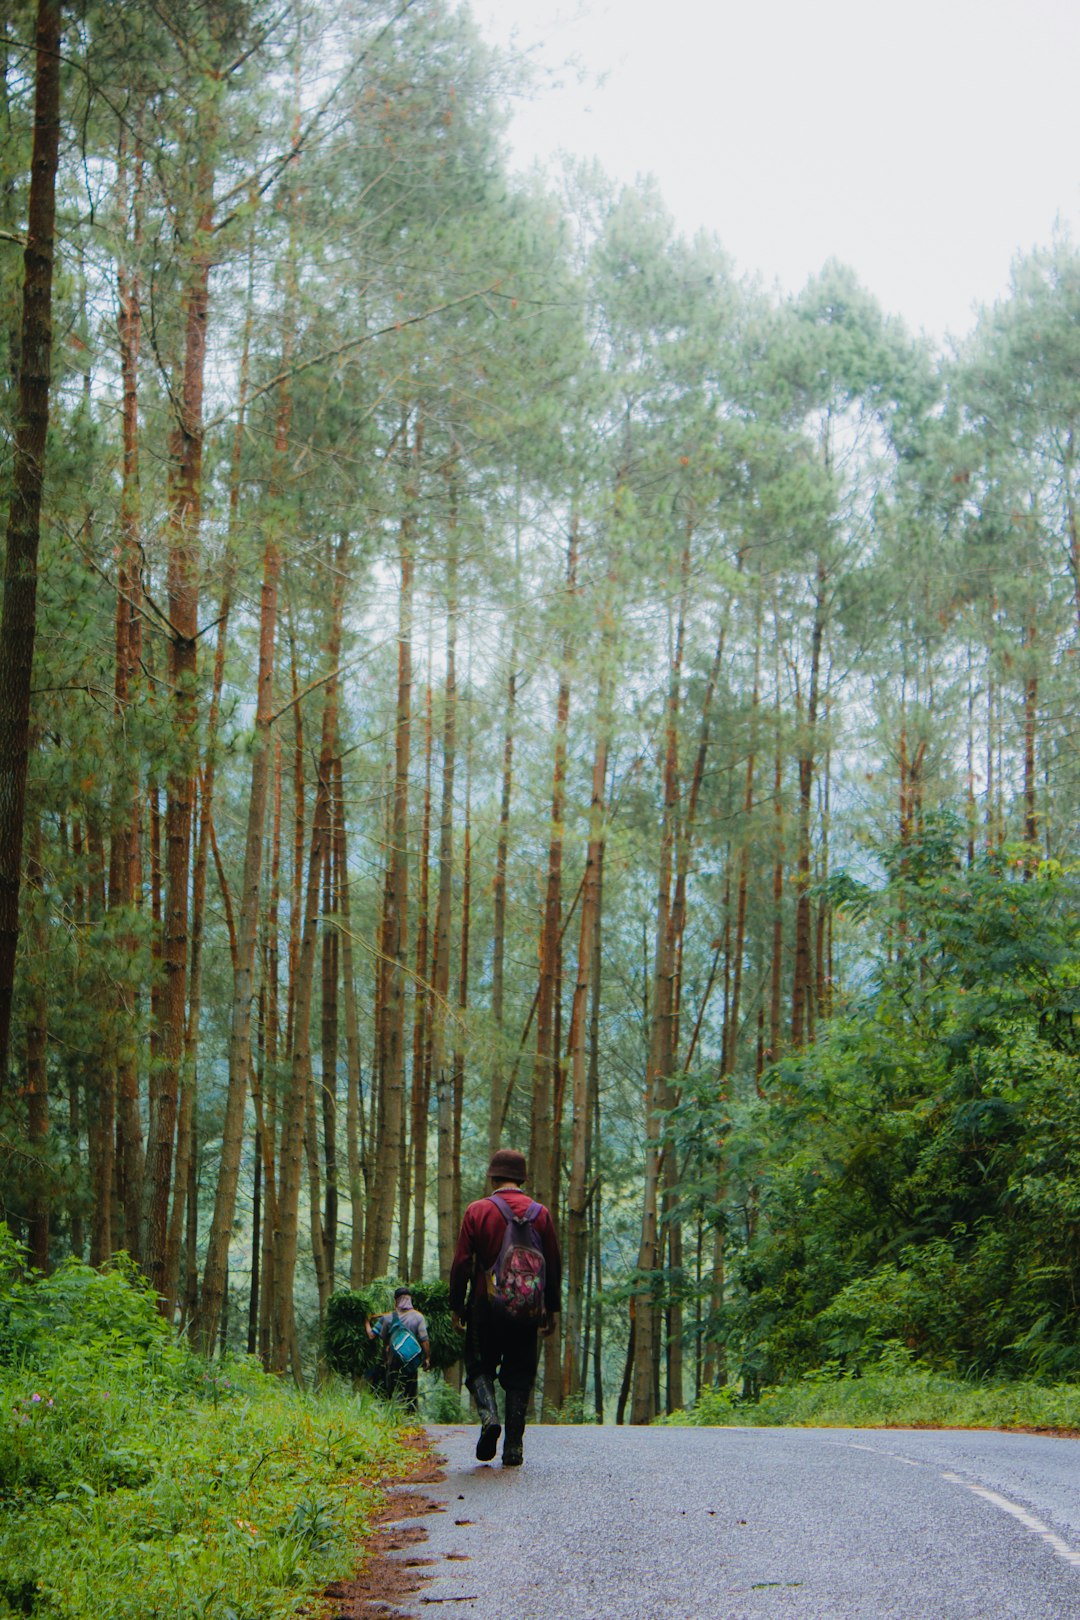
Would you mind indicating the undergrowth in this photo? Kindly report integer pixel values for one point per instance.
(137, 1480)
(895, 1392)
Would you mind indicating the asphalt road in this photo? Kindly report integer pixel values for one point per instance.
(722, 1524)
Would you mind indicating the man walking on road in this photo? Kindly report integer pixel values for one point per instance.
(508, 1263)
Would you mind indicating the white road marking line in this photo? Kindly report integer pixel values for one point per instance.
(1028, 1520)
(876, 1451)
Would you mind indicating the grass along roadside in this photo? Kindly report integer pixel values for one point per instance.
(136, 1480)
(908, 1399)
(236, 1502)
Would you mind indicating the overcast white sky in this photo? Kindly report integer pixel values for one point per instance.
(923, 142)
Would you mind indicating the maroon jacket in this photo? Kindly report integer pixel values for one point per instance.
(481, 1237)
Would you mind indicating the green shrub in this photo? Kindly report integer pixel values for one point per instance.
(111, 1311)
(916, 1172)
(440, 1402)
(896, 1391)
(138, 1480)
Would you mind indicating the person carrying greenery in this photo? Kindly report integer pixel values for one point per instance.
(404, 1335)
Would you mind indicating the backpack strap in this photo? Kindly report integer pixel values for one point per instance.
(507, 1213)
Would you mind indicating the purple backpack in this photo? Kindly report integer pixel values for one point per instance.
(515, 1283)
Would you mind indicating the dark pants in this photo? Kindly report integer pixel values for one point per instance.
(401, 1384)
(508, 1352)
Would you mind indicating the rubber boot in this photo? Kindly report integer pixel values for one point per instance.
(483, 1392)
(517, 1406)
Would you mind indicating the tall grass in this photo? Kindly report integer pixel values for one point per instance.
(138, 1481)
(897, 1392)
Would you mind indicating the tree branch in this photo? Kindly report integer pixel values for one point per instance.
(347, 348)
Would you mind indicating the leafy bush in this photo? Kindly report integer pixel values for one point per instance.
(915, 1174)
(112, 1310)
(896, 1392)
(136, 1479)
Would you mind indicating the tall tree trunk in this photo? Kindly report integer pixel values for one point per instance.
(498, 902)
(577, 1199)
(969, 795)
(910, 766)
(315, 1214)
(904, 807)
(258, 1088)
(101, 1096)
(741, 893)
(1071, 524)
(725, 946)
(189, 1079)
(458, 1065)
(512, 1081)
(217, 1252)
(549, 1075)
(266, 1111)
(37, 1055)
(377, 1109)
(405, 1174)
(256, 1225)
(388, 1144)
(776, 980)
(265, 1148)
(712, 1369)
(991, 693)
(124, 862)
(191, 1246)
(802, 1007)
(329, 1042)
(296, 881)
(286, 1233)
(644, 1403)
(685, 834)
(157, 876)
(75, 1135)
(628, 1365)
(185, 502)
(823, 941)
(1031, 717)
(595, 1165)
(18, 617)
(545, 1079)
(552, 1385)
(442, 1077)
(355, 1136)
(215, 1270)
(421, 1087)
(206, 838)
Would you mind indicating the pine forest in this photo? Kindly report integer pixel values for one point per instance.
(476, 671)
